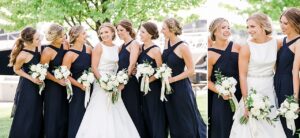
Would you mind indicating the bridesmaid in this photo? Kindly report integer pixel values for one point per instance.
(181, 108)
(152, 107)
(28, 119)
(286, 79)
(77, 59)
(128, 56)
(55, 95)
(223, 57)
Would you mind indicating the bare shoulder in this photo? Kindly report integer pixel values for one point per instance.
(135, 44)
(236, 47)
(156, 51)
(98, 47)
(48, 52)
(22, 57)
(88, 49)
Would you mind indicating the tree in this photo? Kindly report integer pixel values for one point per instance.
(21, 13)
(273, 8)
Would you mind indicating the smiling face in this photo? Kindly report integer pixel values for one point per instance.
(122, 32)
(144, 35)
(166, 31)
(106, 34)
(36, 40)
(285, 26)
(223, 31)
(254, 29)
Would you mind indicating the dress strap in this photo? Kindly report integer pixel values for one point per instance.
(125, 45)
(175, 45)
(216, 50)
(291, 42)
(148, 49)
(54, 48)
(229, 47)
(29, 51)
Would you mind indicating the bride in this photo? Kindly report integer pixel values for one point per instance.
(256, 64)
(102, 118)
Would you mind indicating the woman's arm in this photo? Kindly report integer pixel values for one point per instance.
(243, 62)
(296, 68)
(134, 54)
(17, 69)
(187, 57)
(96, 55)
(156, 54)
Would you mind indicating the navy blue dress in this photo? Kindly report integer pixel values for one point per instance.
(28, 119)
(76, 106)
(183, 116)
(55, 101)
(283, 80)
(131, 94)
(221, 114)
(152, 107)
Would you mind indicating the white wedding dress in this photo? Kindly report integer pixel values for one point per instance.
(103, 119)
(260, 77)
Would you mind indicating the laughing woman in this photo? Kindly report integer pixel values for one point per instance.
(286, 79)
(55, 95)
(77, 59)
(152, 107)
(183, 116)
(27, 122)
(128, 56)
(223, 57)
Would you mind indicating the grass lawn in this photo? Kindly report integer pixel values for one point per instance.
(5, 109)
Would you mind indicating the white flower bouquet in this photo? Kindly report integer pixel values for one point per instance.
(39, 71)
(164, 73)
(226, 86)
(290, 110)
(145, 70)
(122, 76)
(86, 79)
(259, 107)
(62, 72)
(110, 84)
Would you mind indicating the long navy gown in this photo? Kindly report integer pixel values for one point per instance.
(131, 94)
(221, 114)
(28, 119)
(183, 116)
(283, 80)
(76, 106)
(55, 101)
(152, 107)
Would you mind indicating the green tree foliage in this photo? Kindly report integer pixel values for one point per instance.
(21, 13)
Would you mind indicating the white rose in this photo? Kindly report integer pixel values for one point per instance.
(294, 106)
(42, 77)
(34, 75)
(255, 111)
(33, 67)
(286, 103)
(66, 74)
(44, 72)
(103, 85)
(58, 75)
(90, 78)
(290, 115)
(79, 80)
(283, 110)
(84, 76)
(226, 83)
(110, 85)
(86, 84)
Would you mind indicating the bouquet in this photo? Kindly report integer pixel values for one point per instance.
(110, 84)
(163, 73)
(86, 79)
(39, 71)
(289, 109)
(122, 77)
(226, 87)
(145, 70)
(62, 72)
(259, 107)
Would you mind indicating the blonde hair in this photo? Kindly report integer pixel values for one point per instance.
(174, 26)
(54, 32)
(110, 26)
(293, 17)
(26, 35)
(74, 33)
(214, 26)
(263, 21)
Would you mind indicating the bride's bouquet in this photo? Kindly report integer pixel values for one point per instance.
(86, 79)
(164, 73)
(62, 72)
(259, 107)
(290, 110)
(145, 70)
(110, 84)
(226, 87)
(39, 71)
